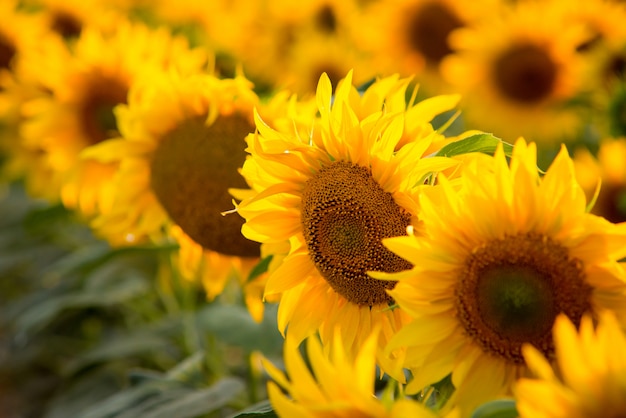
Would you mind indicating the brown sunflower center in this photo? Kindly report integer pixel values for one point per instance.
(615, 68)
(7, 52)
(611, 202)
(191, 172)
(525, 74)
(345, 215)
(96, 113)
(325, 19)
(428, 29)
(511, 290)
(66, 25)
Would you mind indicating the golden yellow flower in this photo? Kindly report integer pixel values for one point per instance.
(334, 192)
(602, 19)
(327, 17)
(517, 72)
(84, 81)
(498, 257)
(590, 380)
(68, 17)
(411, 36)
(209, 24)
(608, 166)
(603, 53)
(183, 143)
(315, 54)
(339, 385)
(272, 40)
(19, 32)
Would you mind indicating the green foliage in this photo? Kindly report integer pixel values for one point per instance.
(502, 408)
(482, 142)
(92, 331)
(260, 268)
(260, 410)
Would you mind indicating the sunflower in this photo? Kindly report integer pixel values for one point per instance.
(498, 257)
(84, 82)
(334, 193)
(339, 385)
(608, 166)
(68, 17)
(181, 147)
(411, 36)
(603, 19)
(205, 23)
(590, 379)
(519, 73)
(272, 40)
(324, 17)
(19, 32)
(315, 54)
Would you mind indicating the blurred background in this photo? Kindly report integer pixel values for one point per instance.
(98, 322)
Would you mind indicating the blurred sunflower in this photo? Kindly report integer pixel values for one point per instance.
(608, 166)
(324, 17)
(605, 81)
(339, 385)
(518, 73)
(589, 381)
(334, 194)
(603, 55)
(315, 54)
(607, 65)
(602, 19)
(498, 258)
(84, 82)
(209, 24)
(68, 17)
(284, 41)
(411, 36)
(182, 146)
(19, 32)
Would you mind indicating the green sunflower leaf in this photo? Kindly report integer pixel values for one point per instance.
(260, 268)
(233, 325)
(502, 408)
(190, 404)
(482, 142)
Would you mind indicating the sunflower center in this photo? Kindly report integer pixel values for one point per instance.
(511, 290)
(428, 29)
(612, 202)
(66, 25)
(96, 115)
(191, 172)
(525, 73)
(519, 304)
(325, 19)
(345, 215)
(615, 68)
(7, 52)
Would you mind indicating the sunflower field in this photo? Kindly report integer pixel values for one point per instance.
(313, 208)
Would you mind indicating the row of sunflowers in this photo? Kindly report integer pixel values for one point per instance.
(378, 208)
